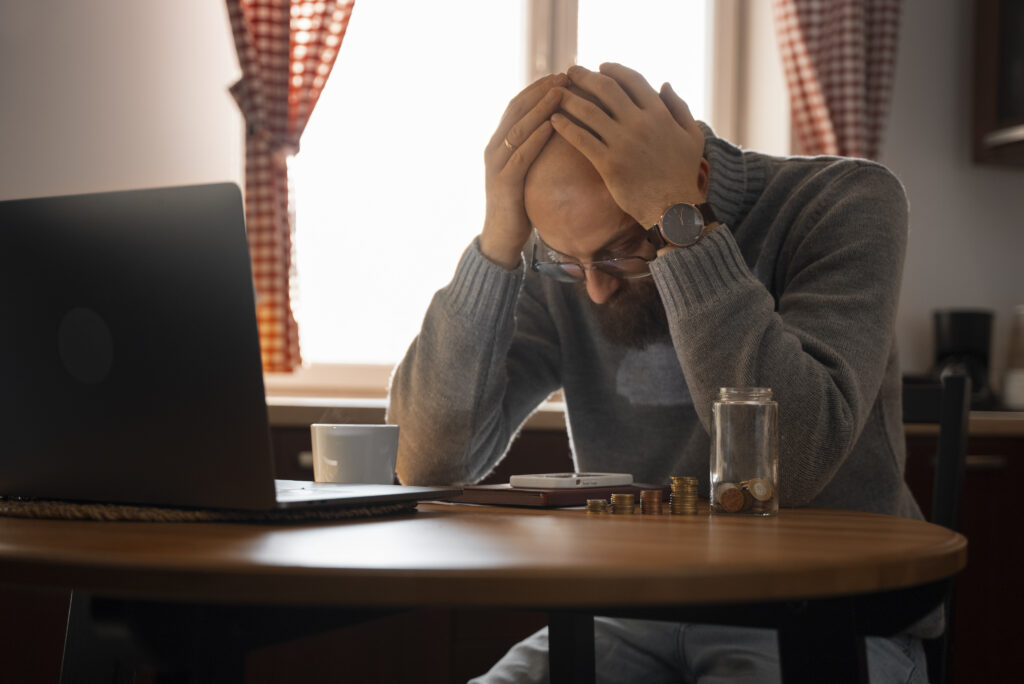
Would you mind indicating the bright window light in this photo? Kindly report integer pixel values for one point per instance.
(389, 183)
(663, 40)
(389, 180)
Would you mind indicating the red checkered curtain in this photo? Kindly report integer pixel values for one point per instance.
(286, 49)
(839, 57)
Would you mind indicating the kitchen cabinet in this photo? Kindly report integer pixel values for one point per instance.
(999, 82)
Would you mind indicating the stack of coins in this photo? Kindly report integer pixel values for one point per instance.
(623, 504)
(596, 506)
(683, 500)
(650, 502)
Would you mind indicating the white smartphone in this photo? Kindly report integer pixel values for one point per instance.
(570, 480)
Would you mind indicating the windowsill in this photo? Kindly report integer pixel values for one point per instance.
(338, 393)
(331, 380)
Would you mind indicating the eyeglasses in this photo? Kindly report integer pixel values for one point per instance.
(624, 268)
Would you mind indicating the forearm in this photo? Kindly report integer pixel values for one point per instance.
(451, 395)
(822, 347)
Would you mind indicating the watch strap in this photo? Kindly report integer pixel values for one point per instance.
(708, 214)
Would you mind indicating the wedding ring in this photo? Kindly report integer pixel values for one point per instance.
(509, 146)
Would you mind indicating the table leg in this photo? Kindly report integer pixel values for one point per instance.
(93, 652)
(571, 648)
(821, 643)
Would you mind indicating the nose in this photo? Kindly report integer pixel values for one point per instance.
(600, 286)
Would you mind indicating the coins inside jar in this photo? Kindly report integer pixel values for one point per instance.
(755, 496)
(731, 498)
(759, 488)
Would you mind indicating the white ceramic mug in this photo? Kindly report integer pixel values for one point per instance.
(354, 453)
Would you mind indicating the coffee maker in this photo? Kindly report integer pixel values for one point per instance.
(963, 339)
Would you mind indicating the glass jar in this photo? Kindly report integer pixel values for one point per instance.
(744, 452)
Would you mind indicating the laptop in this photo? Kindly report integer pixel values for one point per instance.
(130, 366)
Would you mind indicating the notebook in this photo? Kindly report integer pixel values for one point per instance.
(130, 366)
(506, 495)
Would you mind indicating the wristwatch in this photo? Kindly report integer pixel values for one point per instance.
(682, 225)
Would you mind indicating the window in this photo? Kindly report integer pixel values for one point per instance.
(389, 184)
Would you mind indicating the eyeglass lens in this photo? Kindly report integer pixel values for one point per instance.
(623, 267)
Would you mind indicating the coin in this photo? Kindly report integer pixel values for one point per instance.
(731, 498)
(760, 489)
(597, 506)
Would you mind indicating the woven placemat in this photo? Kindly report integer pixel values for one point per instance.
(66, 510)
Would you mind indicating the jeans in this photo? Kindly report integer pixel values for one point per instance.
(652, 651)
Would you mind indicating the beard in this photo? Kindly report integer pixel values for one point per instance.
(634, 316)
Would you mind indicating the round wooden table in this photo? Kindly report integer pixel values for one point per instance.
(455, 555)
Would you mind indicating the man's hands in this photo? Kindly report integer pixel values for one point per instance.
(648, 150)
(649, 153)
(521, 135)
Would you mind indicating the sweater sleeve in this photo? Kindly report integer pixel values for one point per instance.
(822, 341)
(485, 358)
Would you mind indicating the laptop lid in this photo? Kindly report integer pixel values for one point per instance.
(129, 357)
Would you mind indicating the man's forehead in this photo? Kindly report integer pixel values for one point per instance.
(580, 241)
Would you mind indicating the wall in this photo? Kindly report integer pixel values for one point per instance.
(966, 245)
(114, 94)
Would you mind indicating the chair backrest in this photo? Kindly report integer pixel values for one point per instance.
(947, 404)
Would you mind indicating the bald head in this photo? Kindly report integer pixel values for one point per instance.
(565, 197)
(559, 174)
(563, 191)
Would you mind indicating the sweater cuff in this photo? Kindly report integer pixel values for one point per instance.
(692, 278)
(481, 288)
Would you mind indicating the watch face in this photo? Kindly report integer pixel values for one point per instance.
(682, 225)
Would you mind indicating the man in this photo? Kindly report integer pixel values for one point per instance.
(633, 259)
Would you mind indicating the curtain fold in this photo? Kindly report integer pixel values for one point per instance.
(286, 49)
(839, 57)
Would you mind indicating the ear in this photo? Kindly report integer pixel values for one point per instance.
(704, 176)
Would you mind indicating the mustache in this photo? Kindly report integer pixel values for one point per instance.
(634, 316)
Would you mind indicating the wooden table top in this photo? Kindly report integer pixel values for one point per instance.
(452, 555)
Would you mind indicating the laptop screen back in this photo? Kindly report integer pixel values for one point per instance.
(129, 357)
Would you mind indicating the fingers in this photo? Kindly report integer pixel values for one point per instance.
(524, 155)
(587, 113)
(604, 88)
(678, 108)
(523, 103)
(506, 152)
(580, 138)
(521, 129)
(631, 81)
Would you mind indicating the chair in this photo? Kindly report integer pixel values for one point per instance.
(946, 403)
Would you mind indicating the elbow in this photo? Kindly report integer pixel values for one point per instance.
(423, 467)
(807, 468)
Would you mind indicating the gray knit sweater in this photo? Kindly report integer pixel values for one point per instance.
(796, 291)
